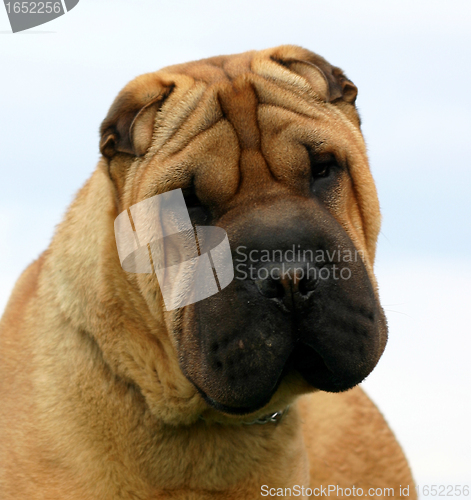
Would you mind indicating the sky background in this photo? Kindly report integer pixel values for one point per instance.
(411, 63)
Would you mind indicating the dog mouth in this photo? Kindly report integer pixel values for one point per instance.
(237, 346)
(239, 374)
(316, 371)
(303, 359)
(235, 410)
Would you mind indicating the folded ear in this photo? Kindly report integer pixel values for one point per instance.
(331, 80)
(342, 87)
(129, 125)
(316, 70)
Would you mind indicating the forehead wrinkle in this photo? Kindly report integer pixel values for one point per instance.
(201, 110)
(180, 147)
(193, 91)
(166, 172)
(318, 124)
(179, 108)
(205, 117)
(203, 107)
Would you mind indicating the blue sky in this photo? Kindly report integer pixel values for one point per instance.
(410, 61)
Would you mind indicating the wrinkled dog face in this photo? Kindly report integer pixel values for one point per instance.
(267, 146)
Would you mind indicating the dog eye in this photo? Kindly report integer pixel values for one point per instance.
(321, 166)
(191, 200)
(199, 213)
(320, 170)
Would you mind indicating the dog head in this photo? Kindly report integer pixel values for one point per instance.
(267, 146)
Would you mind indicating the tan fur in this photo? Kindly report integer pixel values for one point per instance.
(93, 402)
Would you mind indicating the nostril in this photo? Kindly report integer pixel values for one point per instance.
(280, 289)
(307, 285)
(271, 288)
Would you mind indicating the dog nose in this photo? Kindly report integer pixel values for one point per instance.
(286, 282)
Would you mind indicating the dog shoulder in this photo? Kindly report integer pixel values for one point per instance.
(350, 443)
(23, 293)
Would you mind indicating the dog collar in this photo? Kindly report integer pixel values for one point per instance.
(271, 418)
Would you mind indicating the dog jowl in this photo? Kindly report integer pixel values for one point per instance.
(284, 315)
(267, 147)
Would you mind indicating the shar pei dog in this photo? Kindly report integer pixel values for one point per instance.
(114, 384)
